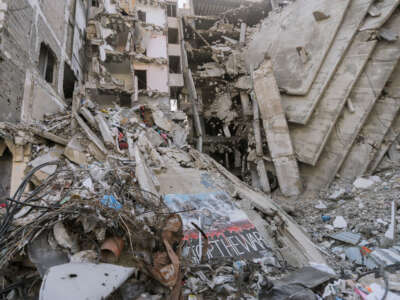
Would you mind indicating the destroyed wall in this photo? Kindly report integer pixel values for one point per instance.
(156, 44)
(128, 54)
(30, 27)
(222, 83)
(14, 57)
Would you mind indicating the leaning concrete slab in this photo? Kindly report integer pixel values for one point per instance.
(364, 95)
(388, 140)
(300, 108)
(386, 8)
(276, 129)
(310, 140)
(370, 139)
(297, 41)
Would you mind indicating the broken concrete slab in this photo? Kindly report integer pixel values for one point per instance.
(75, 151)
(347, 237)
(53, 154)
(390, 137)
(385, 8)
(105, 130)
(146, 178)
(276, 129)
(155, 139)
(49, 136)
(161, 120)
(88, 116)
(308, 277)
(370, 138)
(90, 134)
(300, 108)
(286, 33)
(210, 70)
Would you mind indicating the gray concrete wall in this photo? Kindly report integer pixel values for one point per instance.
(14, 57)
(28, 23)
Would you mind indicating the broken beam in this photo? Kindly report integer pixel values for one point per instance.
(276, 129)
(49, 136)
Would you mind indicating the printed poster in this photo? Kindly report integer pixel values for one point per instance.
(229, 231)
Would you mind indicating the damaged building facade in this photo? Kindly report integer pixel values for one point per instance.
(162, 149)
(42, 58)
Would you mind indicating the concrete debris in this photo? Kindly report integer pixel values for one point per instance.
(347, 237)
(364, 183)
(75, 151)
(83, 281)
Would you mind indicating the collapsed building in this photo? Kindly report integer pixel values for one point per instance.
(322, 133)
(131, 128)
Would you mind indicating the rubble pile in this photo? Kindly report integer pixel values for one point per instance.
(96, 199)
(87, 206)
(355, 223)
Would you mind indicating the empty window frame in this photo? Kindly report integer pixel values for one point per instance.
(69, 82)
(174, 98)
(142, 16)
(173, 36)
(47, 63)
(142, 79)
(175, 64)
(171, 10)
(95, 3)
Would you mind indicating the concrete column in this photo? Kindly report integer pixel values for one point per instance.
(276, 129)
(21, 158)
(261, 169)
(243, 27)
(274, 4)
(245, 101)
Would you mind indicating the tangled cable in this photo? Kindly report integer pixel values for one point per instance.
(14, 204)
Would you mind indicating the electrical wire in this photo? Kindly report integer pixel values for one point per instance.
(14, 203)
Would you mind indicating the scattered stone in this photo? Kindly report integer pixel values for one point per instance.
(321, 206)
(339, 193)
(340, 222)
(363, 183)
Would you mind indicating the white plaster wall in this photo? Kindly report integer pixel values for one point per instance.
(154, 15)
(157, 78)
(157, 46)
(172, 22)
(176, 80)
(174, 50)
